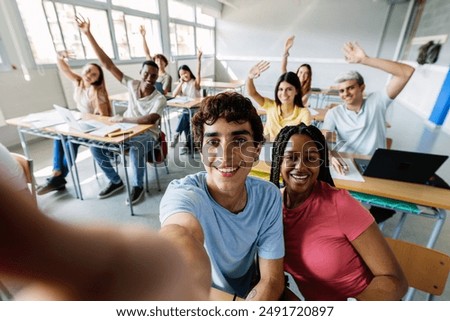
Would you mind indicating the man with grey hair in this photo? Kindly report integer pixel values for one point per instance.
(360, 123)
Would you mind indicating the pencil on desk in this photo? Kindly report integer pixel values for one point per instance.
(119, 133)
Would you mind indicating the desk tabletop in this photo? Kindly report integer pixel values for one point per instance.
(187, 104)
(66, 130)
(408, 192)
(221, 84)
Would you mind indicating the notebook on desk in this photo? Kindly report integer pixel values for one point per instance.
(70, 119)
(399, 165)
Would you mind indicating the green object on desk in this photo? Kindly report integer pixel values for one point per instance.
(385, 202)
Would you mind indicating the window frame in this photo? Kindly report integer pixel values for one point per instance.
(195, 25)
(108, 7)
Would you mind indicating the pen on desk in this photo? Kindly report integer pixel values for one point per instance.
(343, 164)
(119, 133)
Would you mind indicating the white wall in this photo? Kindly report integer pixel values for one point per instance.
(259, 29)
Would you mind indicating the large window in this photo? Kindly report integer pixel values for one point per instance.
(190, 30)
(51, 27)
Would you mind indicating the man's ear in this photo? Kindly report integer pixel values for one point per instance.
(363, 87)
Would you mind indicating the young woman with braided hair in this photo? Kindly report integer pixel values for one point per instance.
(334, 249)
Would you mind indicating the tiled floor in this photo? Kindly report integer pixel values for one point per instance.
(408, 131)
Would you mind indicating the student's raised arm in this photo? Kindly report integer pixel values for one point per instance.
(401, 73)
(198, 79)
(142, 30)
(284, 59)
(64, 67)
(255, 72)
(85, 26)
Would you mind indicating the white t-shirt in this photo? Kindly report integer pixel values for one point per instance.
(137, 107)
(363, 132)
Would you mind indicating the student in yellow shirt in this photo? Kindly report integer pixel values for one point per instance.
(287, 108)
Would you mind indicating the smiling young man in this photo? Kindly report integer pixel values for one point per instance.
(360, 123)
(228, 224)
(145, 106)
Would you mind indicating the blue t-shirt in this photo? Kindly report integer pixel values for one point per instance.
(231, 240)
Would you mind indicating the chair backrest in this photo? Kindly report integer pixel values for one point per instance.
(27, 166)
(425, 269)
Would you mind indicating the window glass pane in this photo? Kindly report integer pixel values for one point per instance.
(36, 28)
(100, 30)
(153, 36)
(178, 10)
(121, 34)
(205, 40)
(150, 6)
(181, 39)
(205, 19)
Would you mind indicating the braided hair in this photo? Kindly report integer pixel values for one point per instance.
(280, 143)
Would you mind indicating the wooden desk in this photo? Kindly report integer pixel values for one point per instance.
(418, 194)
(64, 133)
(213, 86)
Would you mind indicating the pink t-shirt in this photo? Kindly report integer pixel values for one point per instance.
(319, 255)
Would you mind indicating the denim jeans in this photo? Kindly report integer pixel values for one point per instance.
(183, 124)
(139, 147)
(59, 159)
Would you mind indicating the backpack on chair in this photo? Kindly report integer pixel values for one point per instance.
(160, 150)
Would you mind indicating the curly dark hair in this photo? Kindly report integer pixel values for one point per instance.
(279, 146)
(232, 106)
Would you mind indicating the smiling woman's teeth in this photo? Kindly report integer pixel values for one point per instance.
(299, 176)
(227, 170)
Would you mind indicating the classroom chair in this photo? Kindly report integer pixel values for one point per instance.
(425, 269)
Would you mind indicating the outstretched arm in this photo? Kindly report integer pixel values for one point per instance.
(148, 56)
(184, 232)
(401, 73)
(65, 262)
(255, 72)
(284, 59)
(64, 67)
(198, 79)
(106, 62)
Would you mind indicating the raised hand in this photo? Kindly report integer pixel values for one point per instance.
(199, 54)
(142, 30)
(353, 53)
(289, 43)
(257, 69)
(66, 54)
(83, 24)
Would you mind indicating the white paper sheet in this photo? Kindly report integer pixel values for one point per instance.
(351, 175)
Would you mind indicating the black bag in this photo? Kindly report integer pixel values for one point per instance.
(429, 53)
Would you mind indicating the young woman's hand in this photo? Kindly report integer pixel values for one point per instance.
(288, 45)
(142, 30)
(257, 69)
(66, 54)
(83, 24)
(199, 54)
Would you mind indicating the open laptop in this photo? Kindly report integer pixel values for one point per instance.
(399, 165)
(70, 119)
